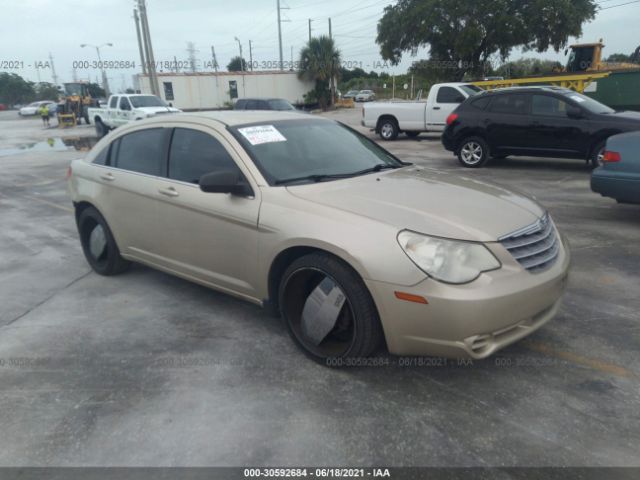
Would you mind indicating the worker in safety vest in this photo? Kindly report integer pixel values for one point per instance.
(44, 114)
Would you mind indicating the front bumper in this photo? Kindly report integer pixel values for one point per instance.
(476, 319)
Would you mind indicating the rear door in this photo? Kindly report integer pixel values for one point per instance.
(506, 122)
(211, 237)
(128, 199)
(552, 132)
(444, 101)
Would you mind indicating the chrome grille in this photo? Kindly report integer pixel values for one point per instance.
(535, 247)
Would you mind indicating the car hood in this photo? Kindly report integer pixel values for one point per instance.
(623, 116)
(429, 202)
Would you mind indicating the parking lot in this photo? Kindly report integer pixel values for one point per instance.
(148, 369)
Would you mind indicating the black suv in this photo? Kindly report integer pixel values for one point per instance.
(533, 121)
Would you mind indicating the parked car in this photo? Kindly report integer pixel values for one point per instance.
(365, 96)
(533, 121)
(279, 104)
(125, 108)
(316, 221)
(34, 107)
(619, 174)
(351, 94)
(390, 118)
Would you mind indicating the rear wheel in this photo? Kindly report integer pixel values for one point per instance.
(101, 128)
(597, 155)
(328, 310)
(388, 129)
(99, 246)
(473, 152)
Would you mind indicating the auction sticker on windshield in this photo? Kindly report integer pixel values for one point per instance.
(262, 134)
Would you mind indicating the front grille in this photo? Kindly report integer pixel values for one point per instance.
(535, 247)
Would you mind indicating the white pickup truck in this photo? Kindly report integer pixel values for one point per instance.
(388, 119)
(125, 108)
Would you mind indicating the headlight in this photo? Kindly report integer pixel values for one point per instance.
(450, 261)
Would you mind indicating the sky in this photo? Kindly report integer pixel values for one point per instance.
(33, 29)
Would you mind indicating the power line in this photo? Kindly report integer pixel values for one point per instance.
(620, 5)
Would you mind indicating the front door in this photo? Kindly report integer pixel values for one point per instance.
(507, 123)
(211, 237)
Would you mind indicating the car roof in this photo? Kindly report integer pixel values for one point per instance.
(530, 89)
(263, 98)
(237, 117)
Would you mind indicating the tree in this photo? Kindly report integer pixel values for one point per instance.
(320, 62)
(527, 67)
(462, 35)
(46, 91)
(15, 89)
(237, 64)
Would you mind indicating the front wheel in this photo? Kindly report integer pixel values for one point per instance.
(388, 129)
(99, 246)
(328, 309)
(473, 152)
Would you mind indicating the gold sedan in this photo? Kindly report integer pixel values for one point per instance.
(353, 247)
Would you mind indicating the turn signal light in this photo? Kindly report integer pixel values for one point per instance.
(409, 297)
(608, 156)
(452, 118)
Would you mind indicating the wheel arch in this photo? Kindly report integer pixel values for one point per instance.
(386, 116)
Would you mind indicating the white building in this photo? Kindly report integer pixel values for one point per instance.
(202, 91)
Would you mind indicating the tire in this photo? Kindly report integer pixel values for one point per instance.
(473, 152)
(108, 261)
(412, 134)
(388, 129)
(87, 120)
(101, 128)
(596, 155)
(357, 331)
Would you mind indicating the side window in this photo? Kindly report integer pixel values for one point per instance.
(113, 103)
(103, 157)
(263, 105)
(251, 105)
(124, 103)
(449, 95)
(481, 103)
(241, 104)
(513, 104)
(195, 153)
(548, 105)
(142, 152)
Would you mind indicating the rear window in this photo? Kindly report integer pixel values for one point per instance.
(142, 152)
(515, 104)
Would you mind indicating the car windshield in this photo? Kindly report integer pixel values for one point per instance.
(279, 104)
(292, 150)
(147, 101)
(589, 104)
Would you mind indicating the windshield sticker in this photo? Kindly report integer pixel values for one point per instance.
(577, 98)
(262, 134)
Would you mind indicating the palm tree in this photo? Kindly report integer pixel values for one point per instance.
(320, 62)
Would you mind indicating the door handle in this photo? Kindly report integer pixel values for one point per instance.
(436, 108)
(169, 192)
(108, 177)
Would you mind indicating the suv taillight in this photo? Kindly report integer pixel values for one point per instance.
(609, 156)
(452, 118)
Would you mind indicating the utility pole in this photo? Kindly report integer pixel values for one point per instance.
(74, 74)
(332, 83)
(146, 35)
(215, 60)
(330, 36)
(175, 64)
(291, 58)
(53, 70)
(280, 31)
(191, 50)
(136, 19)
(309, 29)
(241, 59)
(250, 57)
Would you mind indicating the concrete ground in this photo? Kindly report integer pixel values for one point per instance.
(147, 369)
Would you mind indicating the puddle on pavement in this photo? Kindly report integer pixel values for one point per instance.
(79, 144)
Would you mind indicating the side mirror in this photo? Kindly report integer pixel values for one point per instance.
(459, 99)
(225, 181)
(574, 112)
